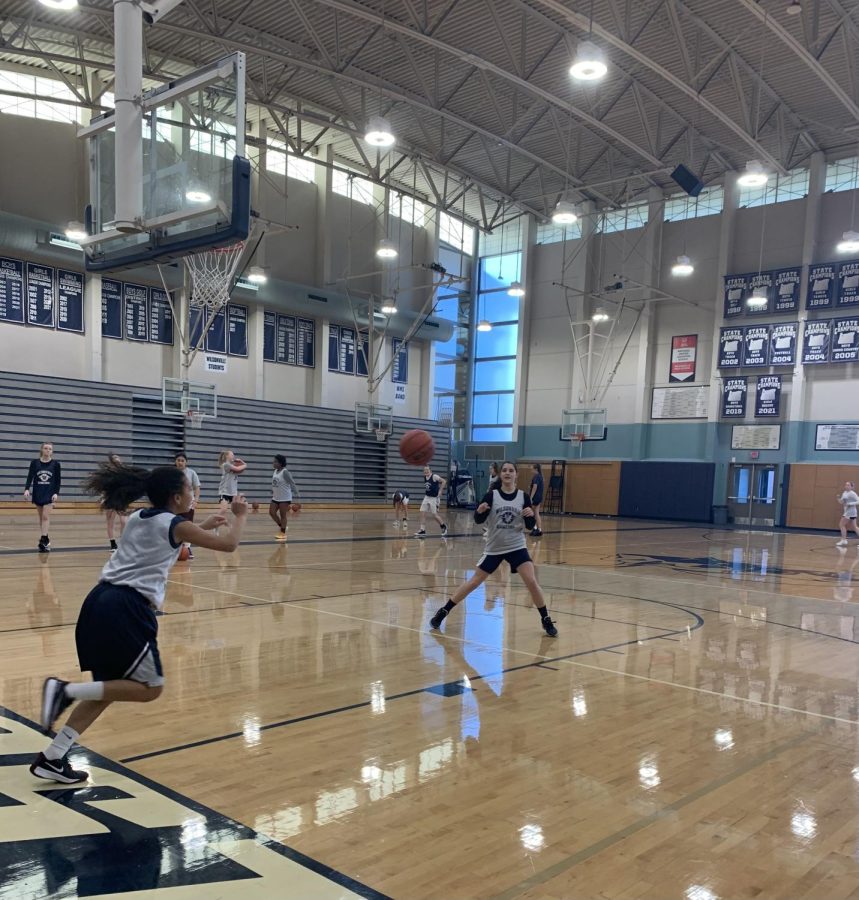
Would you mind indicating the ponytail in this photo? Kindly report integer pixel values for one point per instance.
(119, 485)
(222, 457)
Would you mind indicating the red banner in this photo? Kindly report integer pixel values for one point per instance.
(684, 353)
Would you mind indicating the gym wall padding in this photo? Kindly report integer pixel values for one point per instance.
(667, 490)
(811, 500)
(85, 420)
(592, 488)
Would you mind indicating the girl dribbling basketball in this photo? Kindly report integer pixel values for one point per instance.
(228, 487)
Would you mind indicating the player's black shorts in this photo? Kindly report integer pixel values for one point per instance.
(42, 497)
(489, 562)
(117, 636)
(536, 500)
(227, 497)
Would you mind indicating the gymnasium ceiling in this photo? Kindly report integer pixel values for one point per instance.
(479, 94)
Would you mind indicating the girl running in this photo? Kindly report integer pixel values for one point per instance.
(117, 631)
(537, 499)
(283, 487)
(112, 516)
(45, 478)
(231, 467)
(509, 513)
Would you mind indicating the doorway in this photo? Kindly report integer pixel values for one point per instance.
(752, 494)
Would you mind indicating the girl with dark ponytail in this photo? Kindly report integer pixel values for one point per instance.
(117, 629)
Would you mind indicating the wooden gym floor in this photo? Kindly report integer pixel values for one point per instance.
(692, 732)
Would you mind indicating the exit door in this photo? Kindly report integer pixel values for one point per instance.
(752, 494)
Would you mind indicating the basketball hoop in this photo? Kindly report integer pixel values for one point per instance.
(212, 274)
(381, 435)
(578, 437)
(195, 418)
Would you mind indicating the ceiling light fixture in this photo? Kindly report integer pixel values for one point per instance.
(379, 132)
(386, 249)
(794, 9)
(197, 195)
(589, 64)
(516, 290)
(600, 315)
(76, 231)
(683, 266)
(849, 242)
(257, 275)
(484, 325)
(63, 5)
(389, 307)
(755, 174)
(565, 213)
(758, 298)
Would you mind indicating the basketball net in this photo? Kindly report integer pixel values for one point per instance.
(212, 273)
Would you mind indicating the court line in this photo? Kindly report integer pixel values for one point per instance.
(570, 662)
(540, 878)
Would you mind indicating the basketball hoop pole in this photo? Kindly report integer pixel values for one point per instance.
(128, 148)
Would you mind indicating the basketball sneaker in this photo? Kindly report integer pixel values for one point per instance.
(841, 543)
(444, 530)
(54, 702)
(421, 533)
(396, 525)
(44, 545)
(438, 618)
(549, 627)
(281, 536)
(56, 770)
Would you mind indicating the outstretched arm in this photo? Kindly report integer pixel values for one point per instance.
(201, 535)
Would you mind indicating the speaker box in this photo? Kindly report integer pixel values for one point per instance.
(689, 181)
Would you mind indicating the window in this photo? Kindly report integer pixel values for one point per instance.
(623, 219)
(842, 175)
(456, 233)
(499, 272)
(281, 162)
(407, 208)
(351, 185)
(501, 341)
(39, 106)
(493, 407)
(681, 206)
(550, 233)
(481, 433)
(793, 186)
(452, 356)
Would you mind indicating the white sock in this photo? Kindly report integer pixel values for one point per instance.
(86, 690)
(62, 743)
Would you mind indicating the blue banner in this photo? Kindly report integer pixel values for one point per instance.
(767, 396)
(11, 290)
(821, 286)
(845, 340)
(347, 350)
(786, 290)
(307, 343)
(216, 336)
(400, 368)
(333, 348)
(237, 328)
(286, 339)
(756, 345)
(848, 284)
(70, 301)
(761, 281)
(136, 312)
(196, 322)
(269, 336)
(160, 317)
(40, 295)
(734, 392)
(730, 347)
(783, 337)
(362, 356)
(736, 288)
(815, 342)
(111, 308)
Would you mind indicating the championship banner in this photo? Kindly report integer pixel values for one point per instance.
(730, 348)
(756, 345)
(815, 342)
(757, 282)
(821, 286)
(736, 288)
(783, 343)
(684, 353)
(786, 290)
(845, 340)
(848, 284)
(734, 397)
(767, 396)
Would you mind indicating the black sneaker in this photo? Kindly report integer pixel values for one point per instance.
(549, 627)
(190, 553)
(57, 770)
(438, 618)
(421, 533)
(44, 545)
(54, 702)
(536, 532)
(444, 530)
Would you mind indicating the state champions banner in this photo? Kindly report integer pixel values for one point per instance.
(768, 396)
(734, 392)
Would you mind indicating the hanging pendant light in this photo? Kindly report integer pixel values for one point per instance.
(386, 249)
(76, 231)
(758, 298)
(379, 133)
(589, 64)
(600, 315)
(257, 275)
(516, 290)
(484, 325)
(565, 213)
(755, 174)
(849, 242)
(683, 266)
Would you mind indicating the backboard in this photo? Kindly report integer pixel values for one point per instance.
(589, 422)
(179, 397)
(195, 180)
(374, 417)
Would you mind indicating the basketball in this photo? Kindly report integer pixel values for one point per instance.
(255, 507)
(184, 553)
(417, 447)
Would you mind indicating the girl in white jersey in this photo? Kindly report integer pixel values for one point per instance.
(228, 487)
(283, 490)
(117, 632)
(849, 501)
(509, 513)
